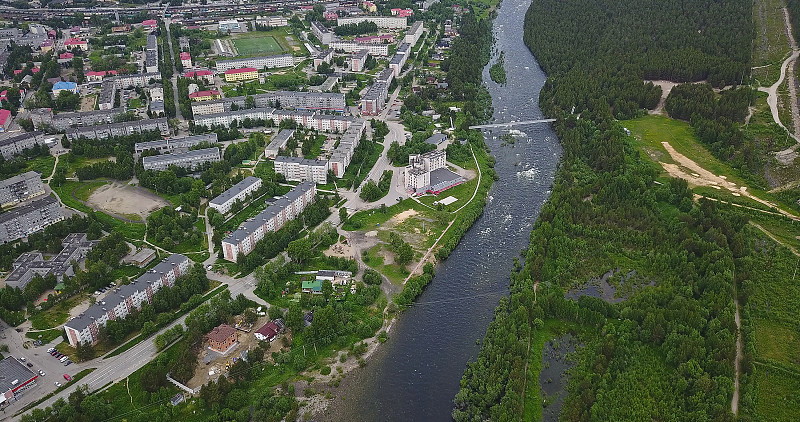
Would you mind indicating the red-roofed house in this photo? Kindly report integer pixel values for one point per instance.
(46, 45)
(51, 34)
(205, 75)
(403, 13)
(242, 74)
(186, 59)
(76, 44)
(205, 95)
(330, 16)
(150, 23)
(5, 119)
(95, 76)
(221, 338)
(34, 70)
(268, 332)
(66, 56)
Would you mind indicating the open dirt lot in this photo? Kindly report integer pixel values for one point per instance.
(126, 200)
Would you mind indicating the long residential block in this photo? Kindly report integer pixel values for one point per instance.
(15, 144)
(354, 47)
(20, 188)
(175, 144)
(414, 33)
(237, 192)
(302, 169)
(283, 60)
(27, 219)
(189, 159)
(242, 241)
(85, 328)
(323, 122)
(387, 22)
(278, 142)
(341, 156)
(118, 129)
(278, 99)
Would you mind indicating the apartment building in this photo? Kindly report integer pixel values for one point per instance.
(237, 192)
(22, 221)
(75, 248)
(118, 129)
(302, 169)
(400, 58)
(122, 301)
(108, 94)
(135, 80)
(209, 95)
(278, 99)
(341, 156)
(206, 76)
(278, 142)
(62, 121)
(11, 145)
(354, 47)
(243, 74)
(413, 35)
(175, 144)
(429, 173)
(385, 22)
(358, 60)
(282, 60)
(323, 34)
(243, 240)
(20, 188)
(324, 56)
(189, 159)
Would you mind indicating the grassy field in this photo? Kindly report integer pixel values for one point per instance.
(777, 399)
(259, 44)
(771, 44)
(56, 315)
(778, 341)
(82, 190)
(46, 336)
(43, 165)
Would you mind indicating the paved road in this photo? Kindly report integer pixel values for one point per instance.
(174, 78)
(108, 370)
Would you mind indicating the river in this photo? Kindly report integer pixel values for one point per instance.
(415, 375)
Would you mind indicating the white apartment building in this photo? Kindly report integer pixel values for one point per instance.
(414, 33)
(385, 22)
(117, 305)
(20, 188)
(283, 60)
(288, 207)
(237, 192)
(302, 169)
(278, 142)
(354, 47)
(189, 159)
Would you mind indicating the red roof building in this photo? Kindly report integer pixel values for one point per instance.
(78, 43)
(150, 23)
(205, 95)
(185, 55)
(221, 338)
(5, 119)
(198, 73)
(268, 332)
(66, 56)
(242, 70)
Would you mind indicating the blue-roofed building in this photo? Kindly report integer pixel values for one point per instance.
(65, 86)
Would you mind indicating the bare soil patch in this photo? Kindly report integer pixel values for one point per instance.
(126, 200)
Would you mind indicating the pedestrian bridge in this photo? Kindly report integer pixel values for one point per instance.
(509, 124)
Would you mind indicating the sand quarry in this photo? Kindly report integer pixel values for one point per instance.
(126, 200)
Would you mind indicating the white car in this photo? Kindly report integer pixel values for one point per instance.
(57, 384)
(41, 373)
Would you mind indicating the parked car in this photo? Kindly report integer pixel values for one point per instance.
(30, 365)
(68, 363)
(63, 358)
(67, 377)
(41, 373)
(58, 384)
(22, 358)
(50, 350)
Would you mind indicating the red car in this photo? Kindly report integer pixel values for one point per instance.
(67, 377)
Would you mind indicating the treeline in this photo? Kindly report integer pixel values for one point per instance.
(668, 349)
(18, 163)
(372, 191)
(120, 169)
(360, 28)
(716, 120)
(167, 228)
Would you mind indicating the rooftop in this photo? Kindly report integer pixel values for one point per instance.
(15, 374)
(242, 70)
(221, 333)
(235, 190)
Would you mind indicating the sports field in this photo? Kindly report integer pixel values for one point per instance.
(253, 46)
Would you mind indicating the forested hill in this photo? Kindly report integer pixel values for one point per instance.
(593, 49)
(667, 351)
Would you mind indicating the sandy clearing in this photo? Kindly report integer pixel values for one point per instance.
(403, 216)
(126, 200)
(702, 177)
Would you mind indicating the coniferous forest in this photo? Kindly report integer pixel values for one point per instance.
(667, 351)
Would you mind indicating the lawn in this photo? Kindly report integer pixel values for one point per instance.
(393, 272)
(57, 315)
(43, 165)
(776, 394)
(135, 103)
(45, 336)
(778, 341)
(255, 46)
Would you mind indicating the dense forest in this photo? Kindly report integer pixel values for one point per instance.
(667, 350)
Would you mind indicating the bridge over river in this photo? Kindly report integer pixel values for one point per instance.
(509, 124)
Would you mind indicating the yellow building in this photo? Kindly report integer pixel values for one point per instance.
(205, 95)
(243, 74)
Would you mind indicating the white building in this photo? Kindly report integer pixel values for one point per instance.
(189, 159)
(229, 25)
(413, 34)
(358, 61)
(20, 188)
(386, 22)
(157, 94)
(302, 169)
(278, 142)
(272, 21)
(354, 47)
(85, 328)
(283, 60)
(237, 192)
(323, 34)
(288, 207)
